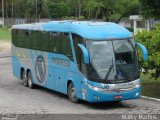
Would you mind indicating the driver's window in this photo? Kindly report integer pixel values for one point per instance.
(122, 58)
(79, 55)
(124, 52)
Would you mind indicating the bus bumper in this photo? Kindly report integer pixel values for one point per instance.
(95, 96)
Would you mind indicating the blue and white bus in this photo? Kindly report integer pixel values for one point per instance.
(90, 61)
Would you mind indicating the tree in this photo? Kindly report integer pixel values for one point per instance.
(124, 8)
(41, 9)
(150, 8)
(75, 7)
(58, 10)
(108, 10)
(111, 10)
(151, 40)
(94, 9)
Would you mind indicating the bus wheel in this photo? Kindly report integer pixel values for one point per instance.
(71, 93)
(30, 80)
(25, 82)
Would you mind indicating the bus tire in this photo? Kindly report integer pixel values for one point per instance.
(25, 82)
(30, 80)
(72, 94)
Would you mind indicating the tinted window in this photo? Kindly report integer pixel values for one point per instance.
(25, 39)
(14, 36)
(53, 41)
(63, 45)
(20, 38)
(79, 55)
(43, 41)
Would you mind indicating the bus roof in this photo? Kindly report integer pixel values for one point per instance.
(86, 29)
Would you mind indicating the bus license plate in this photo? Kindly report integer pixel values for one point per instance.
(117, 97)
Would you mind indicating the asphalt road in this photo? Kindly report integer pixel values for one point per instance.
(17, 99)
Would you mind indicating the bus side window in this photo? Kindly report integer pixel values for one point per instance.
(33, 39)
(63, 45)
(26, 38)
(53, 40)
(14, 37)
(29, 41)
(19, 38)
(58, 44)
(43, 40)
(67, 49)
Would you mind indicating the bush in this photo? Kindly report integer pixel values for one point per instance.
(151, 39)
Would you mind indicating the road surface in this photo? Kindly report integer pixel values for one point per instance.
(17, 99)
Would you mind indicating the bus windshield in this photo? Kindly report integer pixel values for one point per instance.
(112, 60)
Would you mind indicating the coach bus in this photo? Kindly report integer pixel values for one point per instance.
(86, 60)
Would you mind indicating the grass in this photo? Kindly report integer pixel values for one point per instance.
(5, 34)
(150, 86)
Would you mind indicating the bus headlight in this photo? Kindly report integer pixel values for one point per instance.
(94, 88)
(137, 94)
(136, 86)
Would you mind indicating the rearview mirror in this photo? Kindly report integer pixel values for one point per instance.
(85, 53)
(144, 51)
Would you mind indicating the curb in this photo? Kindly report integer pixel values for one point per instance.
(150, 98)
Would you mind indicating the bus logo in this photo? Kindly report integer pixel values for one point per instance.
(40, 69)
(61, 61)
